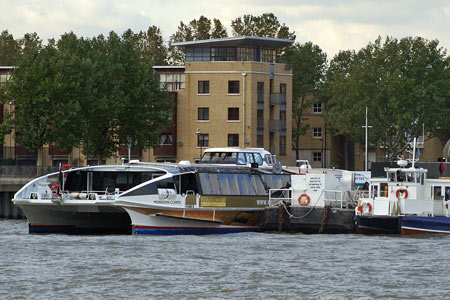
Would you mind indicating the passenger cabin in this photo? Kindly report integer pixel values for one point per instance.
(238, 156)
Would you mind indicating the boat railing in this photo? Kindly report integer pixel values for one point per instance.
(277, 196)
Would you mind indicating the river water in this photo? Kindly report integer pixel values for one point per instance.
(232, 266)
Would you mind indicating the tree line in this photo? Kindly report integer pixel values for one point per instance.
(403, 82)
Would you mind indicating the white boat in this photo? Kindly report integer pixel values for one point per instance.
(81, 200)
(202, 199)
(405, 202)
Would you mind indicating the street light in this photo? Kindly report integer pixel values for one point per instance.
(321, 152)
(198, 133)
(10, 142)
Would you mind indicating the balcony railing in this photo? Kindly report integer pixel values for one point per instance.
(277, 99)
(275, 125)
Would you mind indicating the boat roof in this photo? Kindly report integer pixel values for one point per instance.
(239, 150)
(174, 168)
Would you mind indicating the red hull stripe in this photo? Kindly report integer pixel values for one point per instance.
(175, 227)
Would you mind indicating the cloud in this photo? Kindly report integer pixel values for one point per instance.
(333, 25)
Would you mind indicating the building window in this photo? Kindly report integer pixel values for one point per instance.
(260, 141)
(260, 91)
(172, 82)
(283, 120)
(233, 87)
(268, 55)
(282, 145)
(246, 54)
(260, 118)
(282, 88)
(203, 113)
(203, 140)
(203, 87)
(317, 156)
(223, 53)
(233, 113)
(165, 139)
(233, 140)
(317, 108)
(317, 132)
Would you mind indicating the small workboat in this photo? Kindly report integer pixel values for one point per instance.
(405, 202)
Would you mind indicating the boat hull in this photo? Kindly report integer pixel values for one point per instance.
(194, 221)
(309, 220)
(76, 219)
(424, 225)
(377, 224)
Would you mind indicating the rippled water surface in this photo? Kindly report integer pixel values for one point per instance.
(233, 266)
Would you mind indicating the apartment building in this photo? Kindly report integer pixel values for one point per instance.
(232, 93)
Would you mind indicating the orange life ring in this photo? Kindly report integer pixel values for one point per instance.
(55, 189)
(405, 192)
(362, 208)
(306, 202)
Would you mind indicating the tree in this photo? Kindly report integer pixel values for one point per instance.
(309, 65)
(151, 43)
(265, 25)
(201, 29)
(86, 93)
(9, 49)
(404, 83)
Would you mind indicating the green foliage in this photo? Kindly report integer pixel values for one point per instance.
(309, 65)
(88, 93)
(201, 29)
(404, 83)
(9, 49)
(152, 46)
(265, 25)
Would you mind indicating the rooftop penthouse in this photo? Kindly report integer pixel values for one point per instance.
(243, 48)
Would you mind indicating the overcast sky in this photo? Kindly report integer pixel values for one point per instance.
(333, 25)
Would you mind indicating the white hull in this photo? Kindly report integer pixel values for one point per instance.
(194, 221)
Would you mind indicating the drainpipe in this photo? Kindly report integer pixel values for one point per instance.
(243, 108)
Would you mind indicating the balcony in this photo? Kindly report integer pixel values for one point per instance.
(275, 125)
(277, 99)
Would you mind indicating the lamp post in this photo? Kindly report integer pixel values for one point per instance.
(200, 143)
(366, 127)
(10, 134)
(321, 152)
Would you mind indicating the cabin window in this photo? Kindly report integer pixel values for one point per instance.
(241, 159)
(383, 190)
(437, 193)
(237, 184)
(152, 188)
(374, 190)
(391, 177)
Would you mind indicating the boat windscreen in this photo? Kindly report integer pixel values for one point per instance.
(105, 181)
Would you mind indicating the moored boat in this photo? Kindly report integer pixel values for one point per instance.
(409, 203)
(80, 200)
(202, 199)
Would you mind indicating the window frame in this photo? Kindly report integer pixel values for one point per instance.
(202, 140)
(234, 138)
(202, 89)
(317, 156)
(316, 131)
(203, 109)
(317, 108)
(232, 90)
(233, 116)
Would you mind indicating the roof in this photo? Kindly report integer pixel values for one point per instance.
(243, 150)
(253, 41)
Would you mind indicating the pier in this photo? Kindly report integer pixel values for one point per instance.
(12, 178)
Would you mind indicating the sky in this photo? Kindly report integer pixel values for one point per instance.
(332, 25)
